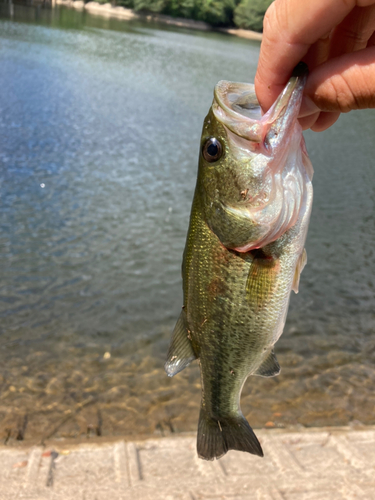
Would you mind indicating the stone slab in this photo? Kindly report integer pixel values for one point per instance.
(316, 464)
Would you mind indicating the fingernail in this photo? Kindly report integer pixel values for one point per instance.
(308, 107)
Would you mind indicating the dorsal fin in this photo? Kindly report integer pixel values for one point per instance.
(180, 352)
(270, 366)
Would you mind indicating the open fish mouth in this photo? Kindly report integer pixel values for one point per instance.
(236, 106)
(269, 162)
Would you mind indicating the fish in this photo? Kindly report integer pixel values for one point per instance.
(244, 253)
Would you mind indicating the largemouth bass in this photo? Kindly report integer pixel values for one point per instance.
(244, 253)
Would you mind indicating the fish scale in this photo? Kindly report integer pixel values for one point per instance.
(244, 254)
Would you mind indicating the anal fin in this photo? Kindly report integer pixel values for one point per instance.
(180, 352)
(270, 366)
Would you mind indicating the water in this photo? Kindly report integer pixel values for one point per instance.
(99, 130)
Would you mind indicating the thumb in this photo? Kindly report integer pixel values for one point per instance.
(342, 84)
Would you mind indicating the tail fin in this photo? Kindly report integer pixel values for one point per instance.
(216, 437)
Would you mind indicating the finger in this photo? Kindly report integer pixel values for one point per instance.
(290, 28)
(344, 83)
(371, 41)
(354, 32)
(308, 107)
(308, 121)
(319, 121)
(318, 52)
(324, 121)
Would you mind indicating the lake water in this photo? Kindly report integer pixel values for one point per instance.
(100, 123)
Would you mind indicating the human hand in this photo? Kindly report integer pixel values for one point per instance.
(336, 39)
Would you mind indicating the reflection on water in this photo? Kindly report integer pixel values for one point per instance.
(99, 128)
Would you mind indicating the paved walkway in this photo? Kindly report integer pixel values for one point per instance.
(316, 464)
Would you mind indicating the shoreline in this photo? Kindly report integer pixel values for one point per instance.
(107, 10)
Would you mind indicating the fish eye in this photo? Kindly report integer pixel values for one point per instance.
(212, 150)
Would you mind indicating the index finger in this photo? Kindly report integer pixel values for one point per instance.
(290, 28)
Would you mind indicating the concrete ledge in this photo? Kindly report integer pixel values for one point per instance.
(318, 464)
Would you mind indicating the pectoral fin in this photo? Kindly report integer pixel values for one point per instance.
(180, 353)
(262, 279)
(270, 366)
(299, 268)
